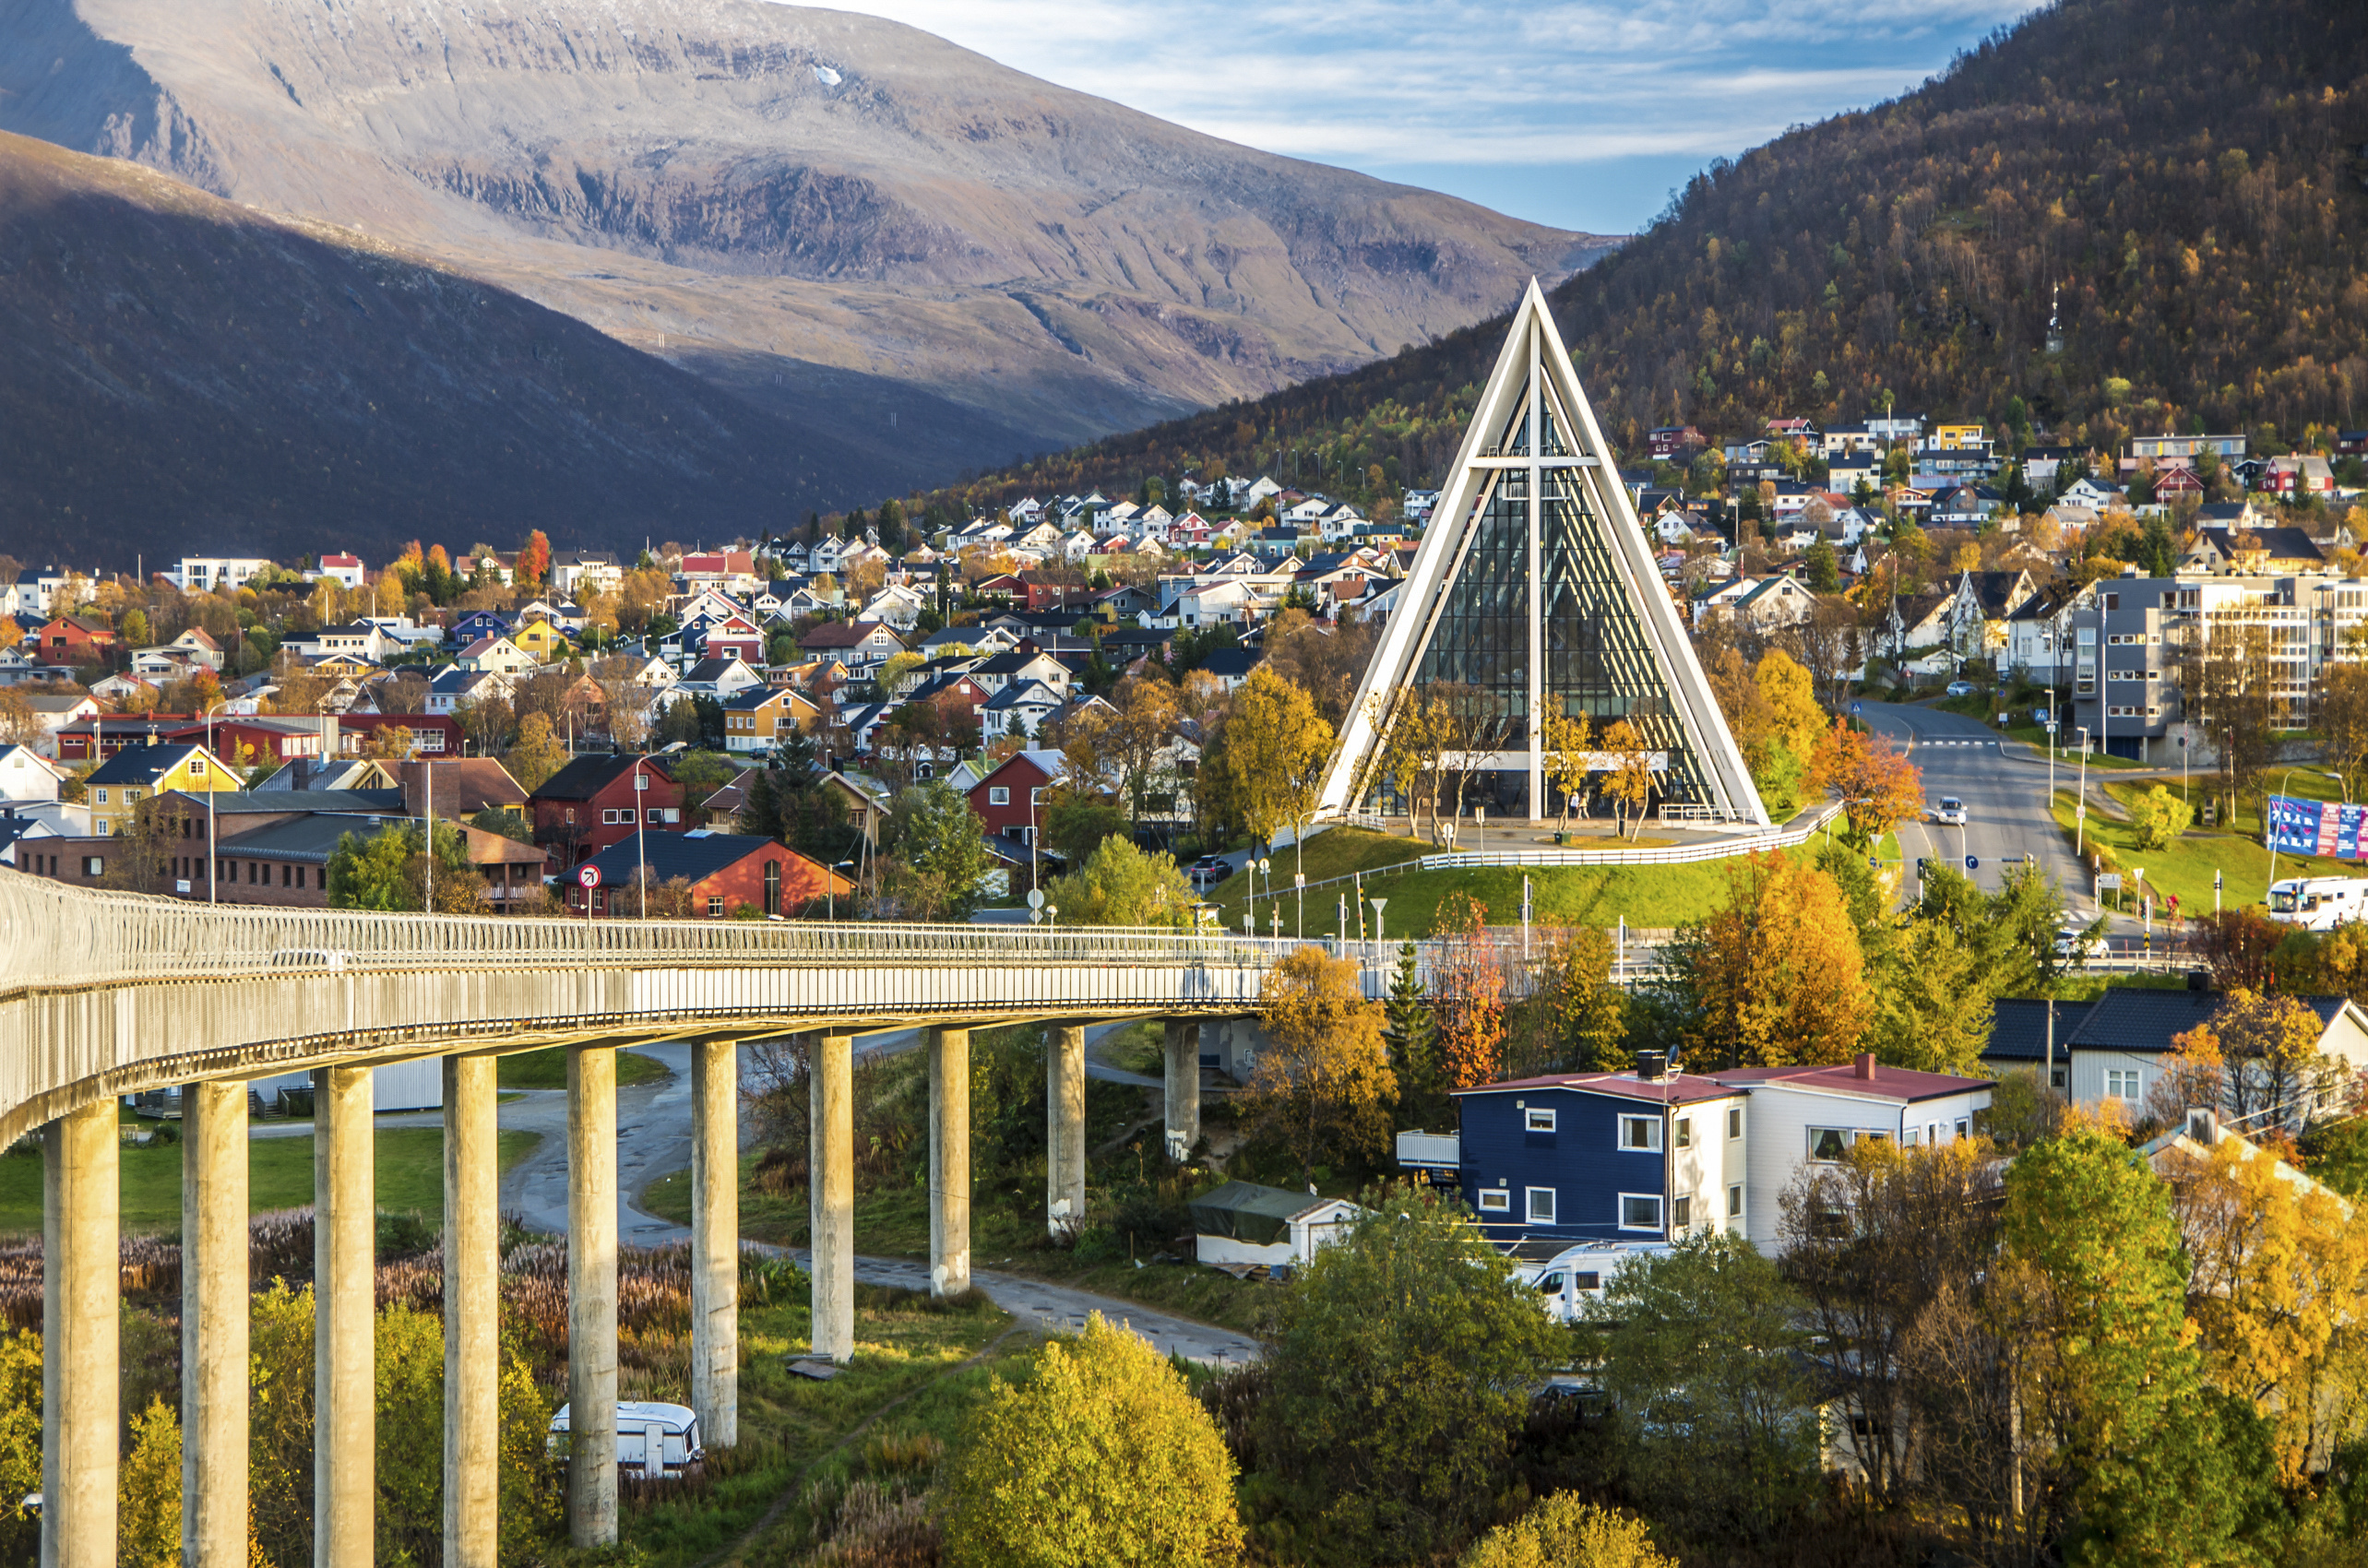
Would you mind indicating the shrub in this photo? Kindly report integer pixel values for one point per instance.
(1565, 1529)
(2157, 817)
(1101, 1456)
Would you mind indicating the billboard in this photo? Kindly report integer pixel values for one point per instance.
(2326, 828)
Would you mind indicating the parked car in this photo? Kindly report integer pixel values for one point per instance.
(1950, 812)
(2079, 943)
(1960, 688)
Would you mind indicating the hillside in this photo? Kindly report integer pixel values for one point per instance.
(2191, 177)
(837, 217)
(183, 374)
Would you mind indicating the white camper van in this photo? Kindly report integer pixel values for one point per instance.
(1568, 1281)
(2319, 903)
(645, 1428)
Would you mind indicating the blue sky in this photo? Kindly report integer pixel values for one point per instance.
(1582, 115)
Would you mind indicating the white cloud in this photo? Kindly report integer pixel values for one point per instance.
(1459, 83)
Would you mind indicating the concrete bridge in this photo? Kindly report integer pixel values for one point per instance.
(106, 994)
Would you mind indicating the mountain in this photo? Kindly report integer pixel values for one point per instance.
(183, 374)
(2186, 185)
(843, 221)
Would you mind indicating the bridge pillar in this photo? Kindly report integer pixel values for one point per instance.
(832, 1183)
(591, 1296)
(473, 1315)
(81, 1280)
(715, 1240)
(949, 1161)
(214, 1393)
(1064, 1129)
(1183, 1087)
(345, 1303)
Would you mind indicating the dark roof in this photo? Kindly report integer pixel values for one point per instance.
(141, 765)
(2282, 543)
(2018, 1030)
(259, 802)
(2133, 1021)
(843, 634)
(693, 856)
(463, 786)
(1236, 663)
(311, 837)
(587, 776)
(707, 671)
(1990, 588)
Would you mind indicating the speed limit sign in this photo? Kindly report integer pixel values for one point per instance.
(590, 876)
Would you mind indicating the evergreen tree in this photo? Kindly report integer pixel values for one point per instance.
(1414, 1044)
(760, 811)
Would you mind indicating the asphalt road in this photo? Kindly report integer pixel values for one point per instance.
(2004, 786)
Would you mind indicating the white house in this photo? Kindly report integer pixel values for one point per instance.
(1242, 1225)
(204, 574)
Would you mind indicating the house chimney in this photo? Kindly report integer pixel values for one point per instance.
(1651, 1066)
(1866, 1065)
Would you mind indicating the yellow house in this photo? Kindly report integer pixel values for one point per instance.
(546, 642)
(138, 773)
(1973, 438)
(762, 717)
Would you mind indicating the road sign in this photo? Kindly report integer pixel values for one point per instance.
(2051, 726)
(1973, 862)
(590, 876)
(1035, 898)
(2109, 882)
(1856, 708)
(2215, 882)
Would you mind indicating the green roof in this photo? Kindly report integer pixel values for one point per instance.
(1248, 1212)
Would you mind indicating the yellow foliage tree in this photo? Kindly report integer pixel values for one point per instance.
(20, 1443)
(1563, 1530)
(148, 1491)
(1778, 976)
(2281, 1277)
(1101, 1456)
(1568, 741)
(1323, 1083)
(1790, 694)
(1630, 781)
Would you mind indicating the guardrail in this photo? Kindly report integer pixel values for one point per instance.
(50, 936)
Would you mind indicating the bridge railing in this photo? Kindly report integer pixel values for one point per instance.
(53, 935)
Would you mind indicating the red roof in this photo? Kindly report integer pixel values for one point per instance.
(1867, 1077)
(1679, 1089)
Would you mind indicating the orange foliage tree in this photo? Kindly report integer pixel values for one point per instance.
(1467, 989)
(1776, 978)
(1879, 786)
(1323, 1083)
(534, 560)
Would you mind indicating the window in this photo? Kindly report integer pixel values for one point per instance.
(1495, 1200)
(1534, 1121)
(94, 865)
(1684, 1132)
(1911, 1137)
(101, 794)
(1541, 1204)
(1735, 1201)
(1963, 1126)
(1828, 1142)
(772, 887)
(106, 829)
(2121, 1083)
(624, 816)
(1639, 1211)
(1734, 1123)
(287, 876)
(2056, 1078)
(715, 908)
(1587, 1280)
(998, 795)
(1036, 795)
(1642, 1133)
(1681, 1212)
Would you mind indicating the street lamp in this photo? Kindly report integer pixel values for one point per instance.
(2081, 797)
(213, 867)
(2269, 828)
(830, 888)
(640, 841)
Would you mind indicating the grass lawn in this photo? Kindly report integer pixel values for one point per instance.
(1336, 852)
(2185, 867)
(279, 1175)
(1006, 1224)
(917, 1372)
(547, 1069)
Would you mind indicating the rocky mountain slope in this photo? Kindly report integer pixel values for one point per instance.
(2182, 186)
(179, 373)
(845, 221)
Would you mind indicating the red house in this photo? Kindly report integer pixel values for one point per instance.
(725, 873)
(270, 739)
(591, 804)
(735, 637)
(1043, 595)
(1010, 802)
(76, 640)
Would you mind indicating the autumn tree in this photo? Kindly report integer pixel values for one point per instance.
(535, 754)
(1122, 884)
(533, 559)
(2157, 818)
(1878, 786)
(1566, 743)
(1272, 754)
(1630, 780)
(1777, 977)
(1467, 992)
(1585, 1010)
(1322, 1084)
(19, 725)
(1100, 1456)
(2275, 1071)
(1566, 1529)
(2280, 1274)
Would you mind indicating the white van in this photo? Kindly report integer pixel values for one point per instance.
(1568, 1281)
(2319, 903)
(644, 1428)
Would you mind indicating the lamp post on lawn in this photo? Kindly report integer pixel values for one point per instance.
(2080, 798)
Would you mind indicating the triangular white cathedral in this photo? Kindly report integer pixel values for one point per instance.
(1535, 584)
